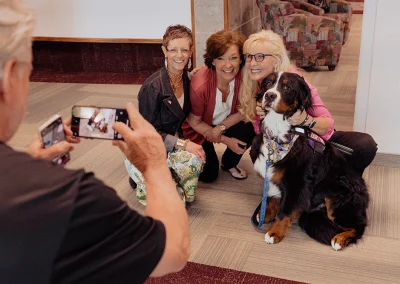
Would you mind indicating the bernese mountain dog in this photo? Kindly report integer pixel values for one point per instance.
(328, 201)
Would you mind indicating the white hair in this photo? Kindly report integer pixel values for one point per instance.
(17, 23)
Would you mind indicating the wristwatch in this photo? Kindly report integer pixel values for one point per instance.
(312, 124)
(222, 127)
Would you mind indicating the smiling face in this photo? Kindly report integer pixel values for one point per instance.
(227, 66)
(177, 53)
(260, 70)
(285, 93)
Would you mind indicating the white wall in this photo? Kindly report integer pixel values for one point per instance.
(377, 109)
(136, 19)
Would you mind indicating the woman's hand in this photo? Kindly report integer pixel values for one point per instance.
(194, 71)
(213, 134)
(197, 150)
(298, 117)
(237, 146)
(259, 110)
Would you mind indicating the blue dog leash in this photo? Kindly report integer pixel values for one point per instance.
(265, 195)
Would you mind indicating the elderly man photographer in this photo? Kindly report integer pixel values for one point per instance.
(64, 226)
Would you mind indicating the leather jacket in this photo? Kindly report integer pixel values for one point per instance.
(159, 106)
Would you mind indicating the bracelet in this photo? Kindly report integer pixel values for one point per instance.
(312, 124)
(305, 120)
(181, 144)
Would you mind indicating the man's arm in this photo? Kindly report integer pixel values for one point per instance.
(145, 149)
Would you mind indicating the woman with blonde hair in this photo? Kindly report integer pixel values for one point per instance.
(265, 53)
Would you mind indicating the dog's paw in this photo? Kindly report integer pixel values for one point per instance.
(336, 246)
(341, 240)
(268, 239)
(271, 238)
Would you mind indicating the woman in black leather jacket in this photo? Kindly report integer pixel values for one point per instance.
(164, 101)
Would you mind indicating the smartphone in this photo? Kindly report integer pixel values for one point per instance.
(52, 132)
(97, 122)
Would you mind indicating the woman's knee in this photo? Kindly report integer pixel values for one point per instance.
(367, 145)
(210, 172)
(208, 177)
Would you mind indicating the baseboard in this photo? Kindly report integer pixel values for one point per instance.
(74, 62)
(388, 160)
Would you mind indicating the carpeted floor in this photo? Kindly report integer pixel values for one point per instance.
(205, 274)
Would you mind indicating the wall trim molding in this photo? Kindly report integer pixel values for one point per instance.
(193, 33)
(226, 15)
(100, 40)
(365, 66)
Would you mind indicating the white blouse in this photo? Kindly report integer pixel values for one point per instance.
(223, 109)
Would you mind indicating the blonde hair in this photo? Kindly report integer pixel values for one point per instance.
(17, 23)
(249, 88)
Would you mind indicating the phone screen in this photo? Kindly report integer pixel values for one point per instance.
(52, 134)
(97, 122)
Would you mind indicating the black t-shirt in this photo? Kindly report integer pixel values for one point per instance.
(63, 226)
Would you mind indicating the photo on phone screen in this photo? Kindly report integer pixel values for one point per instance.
(52, 132)
(97, 122)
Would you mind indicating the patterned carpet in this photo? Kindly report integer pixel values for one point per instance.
(205, 274)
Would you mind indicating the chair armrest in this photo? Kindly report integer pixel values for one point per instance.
(323, 28)
(271, 10)
(340, 6)
(299, 11)
(298, 4)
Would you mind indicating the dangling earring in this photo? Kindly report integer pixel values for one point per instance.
(275, 69)
(166, 62)
(190, 63)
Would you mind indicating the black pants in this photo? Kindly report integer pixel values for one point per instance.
(242, 131)
(363, 145)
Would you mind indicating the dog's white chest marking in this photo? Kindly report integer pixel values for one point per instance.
(276, 126)
(260, 165)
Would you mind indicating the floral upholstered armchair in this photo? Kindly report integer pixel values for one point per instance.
(310, 40)
(340, 10)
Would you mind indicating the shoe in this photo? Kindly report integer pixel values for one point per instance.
(132, 183)
(234, 174)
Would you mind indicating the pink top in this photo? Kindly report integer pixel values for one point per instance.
(318, 110)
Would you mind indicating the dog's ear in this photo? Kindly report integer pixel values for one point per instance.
(304, 98)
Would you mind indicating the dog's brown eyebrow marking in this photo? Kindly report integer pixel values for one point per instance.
(285, 81)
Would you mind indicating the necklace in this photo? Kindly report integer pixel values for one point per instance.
(174, 80)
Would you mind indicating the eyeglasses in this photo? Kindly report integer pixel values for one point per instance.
(258, 57)
(175, 51)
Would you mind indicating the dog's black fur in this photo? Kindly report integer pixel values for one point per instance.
(332, 204)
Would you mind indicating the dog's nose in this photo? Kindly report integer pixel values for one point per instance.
(271, 97)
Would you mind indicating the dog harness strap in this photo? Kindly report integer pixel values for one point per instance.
(265, 197)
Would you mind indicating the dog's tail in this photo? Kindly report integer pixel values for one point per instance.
(317, 225)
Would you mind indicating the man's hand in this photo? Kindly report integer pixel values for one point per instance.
(143, 146)
(37, 151)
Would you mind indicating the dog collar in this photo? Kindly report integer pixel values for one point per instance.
(276, 151)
